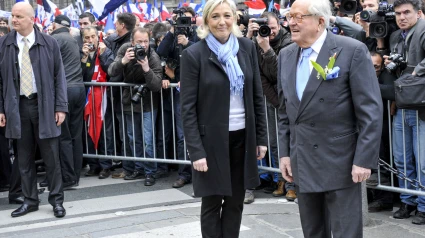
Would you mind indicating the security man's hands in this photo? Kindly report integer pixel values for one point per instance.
(200, 165)
(285, 168)
(182, 39)
(360, 174)
(59, 118)
(2, 120)
(129, 55)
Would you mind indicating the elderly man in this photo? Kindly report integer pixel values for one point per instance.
(329, 130)
(33, 98)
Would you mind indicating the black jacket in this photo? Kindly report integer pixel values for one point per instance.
(88, 68)
(70, 57)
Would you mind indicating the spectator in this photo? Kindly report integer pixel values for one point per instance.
(50, 29)
(70, 140)
(140, 124)
(109, 33)
(223, 143)
(409, 42)
(35, 118)
(3, 22)
(93, 49)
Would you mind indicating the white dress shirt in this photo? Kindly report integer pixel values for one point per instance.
(20, 42)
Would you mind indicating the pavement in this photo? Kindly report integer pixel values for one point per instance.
(126, 209)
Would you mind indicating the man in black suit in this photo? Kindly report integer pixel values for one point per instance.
(33, 98)
(329, 130)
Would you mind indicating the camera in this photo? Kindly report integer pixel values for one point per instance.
(183, 24)
(397, 62)
(90, 46)
(139, 52)
(141, 91)
(264, 30)
(348, 7)
(378, 27)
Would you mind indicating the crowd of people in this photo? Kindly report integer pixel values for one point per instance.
(43, 98)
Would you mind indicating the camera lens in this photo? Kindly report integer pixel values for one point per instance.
(364, 15)
(378, 30)
(349, 6)
(264, 31)
(391, 67)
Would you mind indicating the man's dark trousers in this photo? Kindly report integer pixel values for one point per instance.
(49, 149)
(71, 140)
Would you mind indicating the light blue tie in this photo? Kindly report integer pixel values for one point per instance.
(303, 72)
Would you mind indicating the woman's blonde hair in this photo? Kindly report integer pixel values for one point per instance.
(208, 9)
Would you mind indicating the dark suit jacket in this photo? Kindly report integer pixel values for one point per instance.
(338, 122)
(205, 102)
(416, 51)
(50, 79)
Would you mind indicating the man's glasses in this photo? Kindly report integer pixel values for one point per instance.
(298, 17)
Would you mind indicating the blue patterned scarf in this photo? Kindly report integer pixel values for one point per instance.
(226, 54)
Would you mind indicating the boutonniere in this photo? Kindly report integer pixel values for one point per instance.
(329, 72)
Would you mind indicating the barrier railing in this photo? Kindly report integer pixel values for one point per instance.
(164, 124)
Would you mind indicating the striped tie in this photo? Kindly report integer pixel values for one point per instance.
(26, 71)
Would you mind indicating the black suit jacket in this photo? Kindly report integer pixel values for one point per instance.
(205, 102)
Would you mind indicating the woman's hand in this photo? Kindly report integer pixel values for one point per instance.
(261, 151)
(200, 165)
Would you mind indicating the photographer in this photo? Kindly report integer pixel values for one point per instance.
(178, 38)
(270, 39)
(140, 65)
(91, 50)
(408, 49)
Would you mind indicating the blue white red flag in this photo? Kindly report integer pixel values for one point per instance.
(103, 7)
(255, 7)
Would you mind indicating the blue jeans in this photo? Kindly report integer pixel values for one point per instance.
(404, 159)
(143, 132)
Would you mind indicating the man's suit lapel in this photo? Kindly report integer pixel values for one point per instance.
(292, 65)
(328, 49)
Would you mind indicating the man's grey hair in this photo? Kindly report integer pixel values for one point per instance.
(321, 8)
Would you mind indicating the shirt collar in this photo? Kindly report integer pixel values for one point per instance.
(30, 37)
(317, 45)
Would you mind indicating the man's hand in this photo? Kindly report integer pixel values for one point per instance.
(169, 72)
(360, 174)
(144, 63)
(2, 120)
(285, 168)
(261, 152)
(264, 43)
(252, 26)
(59, 118)
(182, 39)
(102, 47)
(165, 83)
(200, 165)
(129, 55)
(386, 61)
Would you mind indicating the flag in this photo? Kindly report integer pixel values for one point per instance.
(255, 7)
(22, 1)
(271, 6)
(103, 7)
(70, 12)
(96, 101)
(79, 6)
(164, 12)
(146, 9)
(110, 22)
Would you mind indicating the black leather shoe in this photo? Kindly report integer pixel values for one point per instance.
(161, 174)
(419, 219)
(179, 183)
(24, 209)
(105, 173)
(43, 183)
(69, 185)
(17, 200)
(404, 211)
(59, 211)
(378, 206)
(149, 180)
(92, 172)
(135, 175)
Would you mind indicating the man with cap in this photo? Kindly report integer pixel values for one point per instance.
(70, 140)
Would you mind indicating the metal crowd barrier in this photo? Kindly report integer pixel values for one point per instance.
(265, 165)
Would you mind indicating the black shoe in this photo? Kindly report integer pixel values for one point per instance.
(404, 211)
(135, 175)
(17, 200)
(40, 169)
(263, 184)
(180, 183)
(92, 172)
(271, 188)
(69, 185)
(161, 174)
(105, 173)
(419, 219)
(149, 180)
(24, 209)
(59, 211)
(378, 206)
(43, 183)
